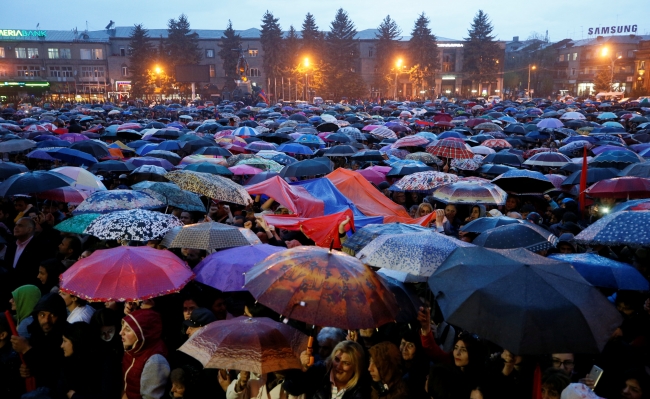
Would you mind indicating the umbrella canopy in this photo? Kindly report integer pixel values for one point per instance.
(630, 228)
(33, 182)
(126, 274)
(369, 232)
(403, 168)
(323, 288)
(117, 200)
(615, 159)
(406, 296)
(593, 175)
(450, 148)
(224, 270)
(604, 272)
(523, 182)
(471, 193)
(550, 123)
(423, 182)
(418, 254)
(207, 236)
(486, 223)
(132, 225)
(83, 179)
(213, 186)
(112, 166)
(517, 235)
(8, 169)
(620, 187)
(308, 167)
(16, 145)
(64, 194)
(548, 159)
(259, 345)
(474, 288)
(77, 224)
(171, 195)
(504, 157)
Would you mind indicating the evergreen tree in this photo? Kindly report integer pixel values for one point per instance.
(342, 58)
(272, 46)
(312, 39)
(182, 44)
(229, 53)
(386, 51)
(291, 49)
(603, 81)
(423, 55)
(481, 53)
(141, 52)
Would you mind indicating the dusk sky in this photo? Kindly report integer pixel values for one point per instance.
(449, 19)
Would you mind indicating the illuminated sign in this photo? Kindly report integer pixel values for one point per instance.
(22, 33)
(26, 84)
(604, 30)
(448, 77)
(450, 44)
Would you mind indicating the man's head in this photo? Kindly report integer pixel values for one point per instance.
(24, 229)
(194, 256)
(563, 361)
(199, 318)
(71, 301)
(70, 247)
(50, 311)
(567, 244)
(187, 218)
(20, 204)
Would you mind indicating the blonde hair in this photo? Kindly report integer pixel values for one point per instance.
(425, 205)
(355, 351)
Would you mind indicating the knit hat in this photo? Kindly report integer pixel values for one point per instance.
(388, 359)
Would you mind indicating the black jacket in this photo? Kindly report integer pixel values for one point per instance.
(315, 384)
(26, 269)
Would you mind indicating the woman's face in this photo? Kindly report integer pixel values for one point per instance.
(42, 275)
(374, 373)
(632, 390)
(450, 212)
(408, 349)
(342, 367)
(425, 210)
(511, 203)
(461, 357)
(67, 347)
(107, 333)
(128, 336)
(476, 213)
(549, 392)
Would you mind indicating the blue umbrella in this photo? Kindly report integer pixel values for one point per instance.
(450, 134)
(615, 159)
(74, 157)
(604, 272)
(518, 235)
(630, 228)
(117, 200)
(211, 168)
(628, 205)
(143, 150)
(296, 148)
(283, 159)
(53, 143)
(523, 182)
(309, 139)
(486, 223)
(33, 182)
(407, 167)
(169, 145)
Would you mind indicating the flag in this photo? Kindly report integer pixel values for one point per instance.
(263, 96)
(583, 180)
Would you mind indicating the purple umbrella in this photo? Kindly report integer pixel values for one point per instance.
(73, 137)
(224, 270)
(604, 148)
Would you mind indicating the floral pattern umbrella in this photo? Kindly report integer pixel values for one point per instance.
(211, 186)
(132, 225)
(424, 157)
(267, 165)
(496, 143)
(77, 224)
(619, 228)
(171, 195)
(471, 193)
(369, 232)
(322, 288)
(467, 164)
(423, 182)
(207, 236)
(117, 200)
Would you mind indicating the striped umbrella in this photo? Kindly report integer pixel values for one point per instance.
(471, 193)
(245, 131)
(383, 132)
(450, 148)
(410, 141)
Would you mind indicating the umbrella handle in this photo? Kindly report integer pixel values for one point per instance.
(310, 344)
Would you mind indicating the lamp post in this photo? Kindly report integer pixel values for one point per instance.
(306, 80)
(399, 66)
(604, 52)
(158, 71)
(533, 67)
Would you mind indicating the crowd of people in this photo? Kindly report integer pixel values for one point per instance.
(63, 346)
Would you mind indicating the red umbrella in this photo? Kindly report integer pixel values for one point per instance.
(64, 194)
(450, 148)
(444, 124)
(476, 121)
(442, 118)
(126, 274)
(620, 187)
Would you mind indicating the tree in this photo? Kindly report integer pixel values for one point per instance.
(141, 52)
(423, 55)
(182, 45)
(312, 39)
(291, 49)
(342, 57)
(603, 81)
(386, 51)
(272, 45)
(481, 54)
(229, 53)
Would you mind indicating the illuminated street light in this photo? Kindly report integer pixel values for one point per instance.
(398, 64)
(533, 67)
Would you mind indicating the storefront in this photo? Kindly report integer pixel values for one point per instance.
(21, 89)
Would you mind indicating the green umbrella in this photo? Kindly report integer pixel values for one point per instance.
(77, 224)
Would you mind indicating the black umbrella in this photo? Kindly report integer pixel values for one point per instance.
(155, 125)
(216, 150)
(111, 166)
(33, 182)
(92, 147)
(339, 138)
(523, 302)
(327, 127)
(486, 223)
(504, 157)
(308, 167)
(517, 235)
(493, 169)
(128, 134)
(298, 117)
(205, 167)
(340, 151)
(522, 181)
(8, 169)
(593, 175)
(194, 145)
(276, 137)
(406, 297)
(168, 134)
(368, 156)
(518, 129)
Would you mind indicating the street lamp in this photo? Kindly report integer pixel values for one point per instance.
(306, 63)
(533, 67)
(604, 52)
(398, 64)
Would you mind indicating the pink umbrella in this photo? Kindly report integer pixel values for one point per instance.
(410, 141)
(240, 170)
(370, 128)
(373, 176)
(74, 137)
(556, 180)
(127, 126)
(64, 194)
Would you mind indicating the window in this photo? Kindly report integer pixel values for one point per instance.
(575, 56)
(125, 71)
(630, 54)
(32, 52)
(213, 71)
(209, 53)
(92, 72)
(21, 52)
(2, 52)
(53, 53)
(61, 72)
(371, 52)
(252, 52)
(3, 72)
(65, 53)
(29, 71)
(561, 57)
(122, 52)
(573, 71)
(619, 54)
(92, 54)
(588, 55)
(254, 72)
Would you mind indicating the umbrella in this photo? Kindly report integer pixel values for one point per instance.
(492, 169)
(635, 169)
(308, 167)
(163, 163)
(423, 182)
(373, 176)
(77, 224)
(470, 193)
(323, 288)
(64, 194)
(91, 148)
(517, 235)
(243, 170)
(496, 143)
(523, 182)
(259, 345)
(418, 254)
(112, 166)
(548, 159)
(488, 126)
(406, 296)
(207, 236)
(620, 187)
(450, 148)
(402, 168)
(340, 151)
(467, 164)
(71, 156)
(368, 156)
(8, 169)
(604, 272)
(117, 200)
(424, 157)
(369, 232)
(126, 274)
(212, 186)
(593, 175)
(169, 156)
(550, 123)
(411, 141)
(132, 225)
(267, 165)
(383, 132)
(224, 270)
(572, 116)
(504, 157)
(618, 228)
(209, 168)
(480, 225)
(474, 288)
(218, 151)
(33, 182)
(615, 159)
(296, 148)
(171, 195)
(260, 177)
(16, 145)
(83, 179)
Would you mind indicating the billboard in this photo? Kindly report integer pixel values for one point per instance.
(192, 73)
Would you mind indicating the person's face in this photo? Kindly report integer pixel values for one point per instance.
(476, 394)
(64, 247)
(214, 208)
(13, 303)
(192, 330)
(563, 361)
(461, 357)
(425, 210)
(22, 229)
(186, 218)
(408, 349)
(400, 198)
(67, 347)
(624, 308)
(193, 256)
(69, 299)
(475, 213)
(85, 254)
(374, 373)
(565, 248)
(107, 333)
(632, 390)
(128, 336)
(343, 367)
(46, 320)
(42, 275)
(450, 212)
(178, 390)
(511, 203)
(608, 202)
(71, 208)
(20, 206)
(188, 306)
(549, 393)
(219, 308)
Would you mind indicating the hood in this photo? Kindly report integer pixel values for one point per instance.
(147, 325)
(388, 360)
(26, 298)
(53, 303)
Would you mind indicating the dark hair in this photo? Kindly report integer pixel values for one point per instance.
(475, 349)
(105, 317)
(54, 268)
(74, 244)
(556, 379)
(640, 375)
(569, 216)
(444, 383)
(80, 334)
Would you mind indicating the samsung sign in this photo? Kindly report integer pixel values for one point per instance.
(604, 30)
(22, 33)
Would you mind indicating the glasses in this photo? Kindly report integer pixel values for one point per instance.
(557, 363)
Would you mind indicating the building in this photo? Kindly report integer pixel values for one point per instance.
(93, 65)
(641, 64)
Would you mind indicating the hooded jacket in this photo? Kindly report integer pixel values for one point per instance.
(388, 359)
(26, 297)
(147, 326)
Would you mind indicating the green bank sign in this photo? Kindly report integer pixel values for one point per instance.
(10, 33)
